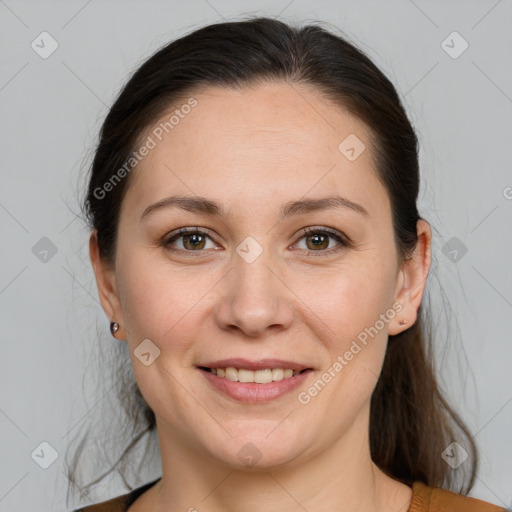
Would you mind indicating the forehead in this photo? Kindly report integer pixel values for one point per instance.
(267, 140)
(278, 115)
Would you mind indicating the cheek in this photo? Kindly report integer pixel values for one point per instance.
(152, 297)
(348, 299)
(162, 302)
(356, 339)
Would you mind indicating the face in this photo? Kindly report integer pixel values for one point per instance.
(251, 285)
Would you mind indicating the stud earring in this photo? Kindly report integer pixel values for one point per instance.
(114, 326)
(402, 322)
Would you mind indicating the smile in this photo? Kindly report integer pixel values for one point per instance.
(259, 376)
(254, 386)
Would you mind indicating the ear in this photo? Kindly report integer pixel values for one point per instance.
(106, 283)
(412, 279)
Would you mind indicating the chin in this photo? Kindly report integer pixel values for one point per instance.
(248, 453)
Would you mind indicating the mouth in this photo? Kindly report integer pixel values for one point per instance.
(263, 376)
(254, 381)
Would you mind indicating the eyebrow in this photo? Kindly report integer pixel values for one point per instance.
(198, 204)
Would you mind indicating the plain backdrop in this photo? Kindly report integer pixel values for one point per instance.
(459, 99)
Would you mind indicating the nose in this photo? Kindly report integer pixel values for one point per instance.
(254, 299)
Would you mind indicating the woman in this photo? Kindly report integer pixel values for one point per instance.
(256, 243)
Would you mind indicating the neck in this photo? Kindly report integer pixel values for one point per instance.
(342, 477)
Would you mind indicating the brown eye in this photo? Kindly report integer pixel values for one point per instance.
(318, 240)
(192, 240)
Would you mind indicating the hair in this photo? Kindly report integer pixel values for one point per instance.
(411, 423)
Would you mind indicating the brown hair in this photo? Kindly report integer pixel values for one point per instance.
(411, 423)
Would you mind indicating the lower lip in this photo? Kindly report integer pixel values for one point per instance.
(251, 392)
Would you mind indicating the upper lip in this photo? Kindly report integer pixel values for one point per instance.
(260, 364)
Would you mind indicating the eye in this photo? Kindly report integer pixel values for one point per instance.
(193, 240)
(319, 240)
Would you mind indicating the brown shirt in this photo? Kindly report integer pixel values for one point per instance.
(424, 499)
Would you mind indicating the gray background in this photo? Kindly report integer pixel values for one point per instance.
(51, 110)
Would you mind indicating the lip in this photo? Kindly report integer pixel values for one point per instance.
(260, 364)
(252, 392)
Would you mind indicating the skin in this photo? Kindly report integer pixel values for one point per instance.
(251, 151)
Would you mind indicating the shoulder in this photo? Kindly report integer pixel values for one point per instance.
(119, 504)
(433, 499)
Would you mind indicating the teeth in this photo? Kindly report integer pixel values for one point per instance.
(263, 376)
(259, 376)
(277, 374)
(232, 374)
(246, 376)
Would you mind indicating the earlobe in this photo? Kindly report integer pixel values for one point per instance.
(413, 277)
(106, 284)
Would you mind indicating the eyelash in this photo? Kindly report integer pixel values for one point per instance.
(342, 240)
